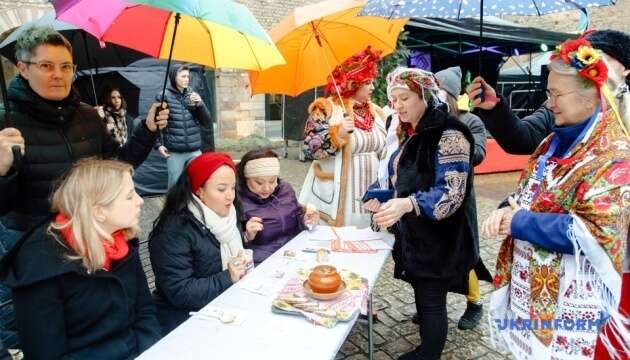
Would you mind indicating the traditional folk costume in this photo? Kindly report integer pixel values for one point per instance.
(559, 275)
(343, 168)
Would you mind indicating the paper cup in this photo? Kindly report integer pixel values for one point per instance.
(248, 254)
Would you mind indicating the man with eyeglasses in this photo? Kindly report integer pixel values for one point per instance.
(522, 136)
(53, 128)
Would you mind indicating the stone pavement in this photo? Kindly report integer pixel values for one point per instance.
(394, 333)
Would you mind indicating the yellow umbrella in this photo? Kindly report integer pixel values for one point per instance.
(313, 39)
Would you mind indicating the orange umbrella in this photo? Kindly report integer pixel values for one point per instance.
(314, 39)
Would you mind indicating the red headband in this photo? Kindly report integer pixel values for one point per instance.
(204, 165)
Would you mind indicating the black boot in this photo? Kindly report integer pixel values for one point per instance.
(415, 319)
(471, 316)
(411, 355)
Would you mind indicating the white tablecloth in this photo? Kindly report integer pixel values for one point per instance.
(263, 334)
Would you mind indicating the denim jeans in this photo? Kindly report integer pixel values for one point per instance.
(176, 163)
(8, 332)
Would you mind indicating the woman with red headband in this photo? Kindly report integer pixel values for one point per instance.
(559, 269)
(344, 135)
(196, 246)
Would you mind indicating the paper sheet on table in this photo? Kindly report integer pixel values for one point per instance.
(346, 233)
(370, 246)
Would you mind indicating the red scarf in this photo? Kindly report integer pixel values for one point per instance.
(114, 251)
(363, 118)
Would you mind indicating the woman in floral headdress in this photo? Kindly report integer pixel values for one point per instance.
(344, 135)
(559, 268)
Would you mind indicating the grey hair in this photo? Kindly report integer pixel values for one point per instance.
(35, 36)
(559, 67)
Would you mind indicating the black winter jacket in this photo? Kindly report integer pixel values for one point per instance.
(425, 248)
(186, 261)
(56, 135)
(62, 312)
(514, 135)
(183, 133)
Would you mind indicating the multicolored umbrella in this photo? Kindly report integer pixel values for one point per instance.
(315, 38)
(215, 33)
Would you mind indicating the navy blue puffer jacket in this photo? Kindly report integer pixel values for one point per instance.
(182, 133)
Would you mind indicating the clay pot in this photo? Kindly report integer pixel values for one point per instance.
(324, 279)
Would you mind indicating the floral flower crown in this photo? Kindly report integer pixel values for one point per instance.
(580, 54)
(353, 72)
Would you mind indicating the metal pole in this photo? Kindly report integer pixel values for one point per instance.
(284, 140)
(370, 328)
(87, 55)
(168, 66)
(480, 35)
(8, 120)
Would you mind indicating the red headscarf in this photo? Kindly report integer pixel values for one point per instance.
(204, 165)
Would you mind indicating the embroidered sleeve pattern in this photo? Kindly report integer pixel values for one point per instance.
(318, 144)
(451, 174)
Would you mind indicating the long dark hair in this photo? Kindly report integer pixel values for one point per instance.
(177, 200)
(106, 97)
(249, 156)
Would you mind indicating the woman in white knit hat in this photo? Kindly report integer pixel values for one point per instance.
(268, 209)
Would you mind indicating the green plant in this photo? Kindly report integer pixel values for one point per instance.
(389, 63)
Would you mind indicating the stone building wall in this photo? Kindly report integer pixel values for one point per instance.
(240, 114)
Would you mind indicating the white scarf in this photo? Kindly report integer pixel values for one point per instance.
(391, 145)
(223, 228)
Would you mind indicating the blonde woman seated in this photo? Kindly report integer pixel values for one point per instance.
(79, 290)
(196, 245)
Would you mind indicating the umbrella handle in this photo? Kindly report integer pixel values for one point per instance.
(17, 157)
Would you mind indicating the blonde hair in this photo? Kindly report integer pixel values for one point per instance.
(90, 182)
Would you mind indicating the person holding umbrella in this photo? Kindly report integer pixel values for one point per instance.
(182, 138)
(344, 135)
(52, 129)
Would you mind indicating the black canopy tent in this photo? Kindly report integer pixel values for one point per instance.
(455, 42)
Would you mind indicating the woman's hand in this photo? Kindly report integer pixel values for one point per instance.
(253, 226)
(372, 205)
(311, 215)
(164, 151)
(390, 212)
(236, 267)
(500, 221)
(474, 90)
(157, 117)
(195, 98)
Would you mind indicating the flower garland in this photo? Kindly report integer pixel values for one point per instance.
(580, 54)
